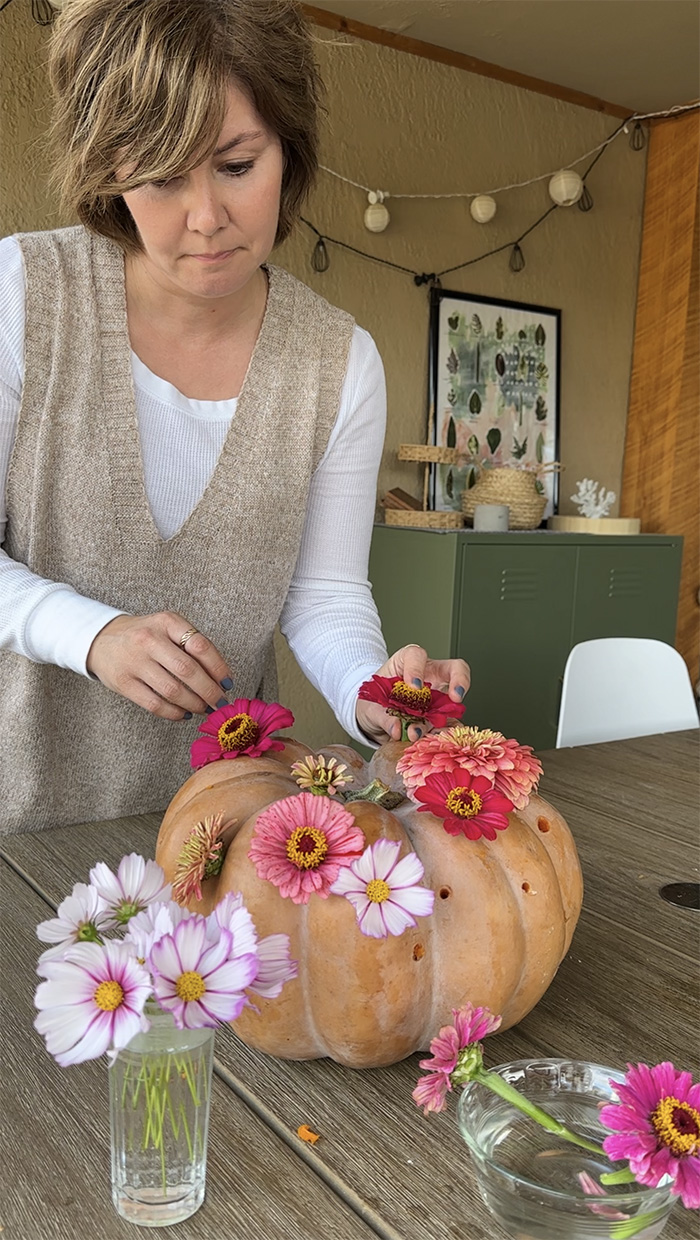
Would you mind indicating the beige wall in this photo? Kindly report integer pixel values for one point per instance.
(407, 124)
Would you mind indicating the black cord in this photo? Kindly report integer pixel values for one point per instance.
(4, 6)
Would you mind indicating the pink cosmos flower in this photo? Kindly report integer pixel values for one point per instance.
(513, 769)
(244, 727)
(472, 1024)
(274, 965)
(468, 804)
(136, 884)
(199, 981)
(384, 891)
(657, 1122)
(152, 924)
(81, 918)
(409, 702)
(301, 843)
(92, 1000)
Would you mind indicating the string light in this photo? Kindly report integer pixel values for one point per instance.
(482, 208)
(634, 119)
(516, 257)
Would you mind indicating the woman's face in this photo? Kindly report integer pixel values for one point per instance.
(204, 234)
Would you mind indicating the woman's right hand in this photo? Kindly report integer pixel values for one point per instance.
(141, 658)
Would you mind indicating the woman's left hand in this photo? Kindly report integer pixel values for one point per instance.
(412, 664)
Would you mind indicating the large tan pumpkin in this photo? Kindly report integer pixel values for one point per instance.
(504, 914)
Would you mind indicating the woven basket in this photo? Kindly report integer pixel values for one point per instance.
(424, 520)
(427, 452)
(514, 487)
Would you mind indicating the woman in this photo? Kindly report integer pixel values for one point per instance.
(191, 436)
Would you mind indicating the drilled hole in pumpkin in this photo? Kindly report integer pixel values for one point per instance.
(418, 951)
(526, 888)
(543, 824)
(445, 893)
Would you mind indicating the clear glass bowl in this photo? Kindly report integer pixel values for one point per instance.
(529, 1178)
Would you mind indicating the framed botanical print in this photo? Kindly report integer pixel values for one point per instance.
(494, 387)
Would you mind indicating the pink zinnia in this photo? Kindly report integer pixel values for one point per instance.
(301, 843)
(512, 767)
(409, 702)
(467, 804)
(472, 1024)
(244, 727)
(657, 1122)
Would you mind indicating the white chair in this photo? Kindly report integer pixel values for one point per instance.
(618, 687)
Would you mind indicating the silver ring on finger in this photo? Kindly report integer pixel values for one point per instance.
(186, 637)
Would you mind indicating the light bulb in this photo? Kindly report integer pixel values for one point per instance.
(482, 208)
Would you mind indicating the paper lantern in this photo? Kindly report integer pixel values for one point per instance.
(482, 209)
(376, 215)
(565, 187)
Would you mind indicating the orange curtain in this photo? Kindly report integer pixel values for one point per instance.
(661, 471)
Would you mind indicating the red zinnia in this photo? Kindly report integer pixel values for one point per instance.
(244, 727)
(408, 702)
(468, 804)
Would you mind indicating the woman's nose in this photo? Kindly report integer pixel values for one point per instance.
(206, 212)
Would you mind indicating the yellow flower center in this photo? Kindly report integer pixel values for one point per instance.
(677, 1125)
(464, 802)
(378, 891)
(108, 996)
(307, 848)
(238, 732)
(190, 986)
(408, 696)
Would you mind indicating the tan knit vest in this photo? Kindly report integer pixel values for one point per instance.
(73, 751)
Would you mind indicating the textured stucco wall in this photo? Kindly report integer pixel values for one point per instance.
(402, 123)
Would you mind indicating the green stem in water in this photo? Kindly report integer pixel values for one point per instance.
(496, 1083)
(618, 1177)
(640, 1222)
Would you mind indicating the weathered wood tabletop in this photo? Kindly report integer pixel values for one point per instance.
(626, 991)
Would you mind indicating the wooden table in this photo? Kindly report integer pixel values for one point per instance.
(627, 990)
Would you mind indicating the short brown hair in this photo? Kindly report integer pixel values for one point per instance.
(144, 84)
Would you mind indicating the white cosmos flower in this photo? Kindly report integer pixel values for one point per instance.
(384, 891)
(136, 884)
(274, 966)
(81, 917)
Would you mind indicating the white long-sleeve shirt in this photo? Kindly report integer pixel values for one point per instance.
(329, 617)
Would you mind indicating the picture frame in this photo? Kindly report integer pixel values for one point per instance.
(494, 391)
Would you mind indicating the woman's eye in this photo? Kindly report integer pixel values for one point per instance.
(237, 170)
(171, 181)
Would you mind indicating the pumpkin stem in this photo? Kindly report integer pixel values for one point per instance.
(378, 792)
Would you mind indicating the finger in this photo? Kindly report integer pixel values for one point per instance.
(143, 695)
(453, 674)
(168, 685)
(413, 661)
(199, 664)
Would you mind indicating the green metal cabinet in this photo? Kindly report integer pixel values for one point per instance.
(513, 605)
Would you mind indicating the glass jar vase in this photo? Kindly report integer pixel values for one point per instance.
(535, 1182)
(159, 1093)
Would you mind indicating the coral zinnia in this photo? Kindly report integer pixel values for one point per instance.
(201, 856)
(657, 1127)
(512, 767)
(408, 702)
(468, 804)
(385, 892)
(301, 843)
(244, 727)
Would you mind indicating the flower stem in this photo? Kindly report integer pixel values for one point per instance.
(496, 1083)
(618, 1177)
(640, 1222)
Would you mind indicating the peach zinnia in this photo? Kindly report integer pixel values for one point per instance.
(301, 843)
(513, 768)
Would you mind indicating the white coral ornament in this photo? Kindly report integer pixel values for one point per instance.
(591, 498)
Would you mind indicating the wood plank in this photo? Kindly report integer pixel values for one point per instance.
(619, 995)
(56, 1176)
(459, 60)
(660, 467)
